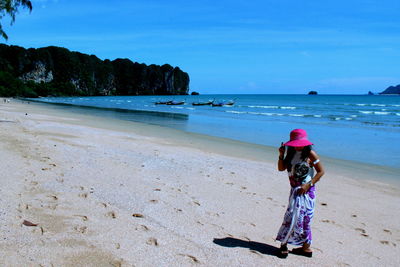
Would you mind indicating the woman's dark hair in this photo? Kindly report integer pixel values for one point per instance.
(305, 153)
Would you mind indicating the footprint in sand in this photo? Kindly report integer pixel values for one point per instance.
(193, 258)
(197, 203)
(111, 214)
(360, 230)
(54, 197)
(152, 241)
(83, 195)
(83, 217)
(117, 263)
(142, 227)
(80, 229)
(387, 231)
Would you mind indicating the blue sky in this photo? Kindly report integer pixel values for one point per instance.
(237, 46)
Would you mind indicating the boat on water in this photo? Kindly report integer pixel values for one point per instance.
(162, 102)
(174, 103)
(208, 103)
(223, 103)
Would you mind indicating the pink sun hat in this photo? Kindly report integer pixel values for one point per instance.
(298, 137)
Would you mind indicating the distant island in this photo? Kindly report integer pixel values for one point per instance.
(313, 93)
(391, 90)
(56, 71)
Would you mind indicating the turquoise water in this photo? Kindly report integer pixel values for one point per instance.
(351, 127)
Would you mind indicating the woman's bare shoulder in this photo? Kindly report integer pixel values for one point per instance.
(313, 155)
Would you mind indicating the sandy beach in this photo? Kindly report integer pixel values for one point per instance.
(74, 194)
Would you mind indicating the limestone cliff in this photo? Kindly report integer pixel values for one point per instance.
(58, 71)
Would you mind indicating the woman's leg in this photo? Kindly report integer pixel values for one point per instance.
(306, 247)
(283, 251)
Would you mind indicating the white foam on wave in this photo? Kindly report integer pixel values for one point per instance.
(378, 105)
(263, 106)
(296, 115)
(353, 116)
(317, 116)
(381, 113)
(287, 107)
(365, 112)
(362, 105)
(190, 108)
(348, 119)
(235, 112)
(398, 114)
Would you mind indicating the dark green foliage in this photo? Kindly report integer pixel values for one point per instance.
(57, 71)
(10, 8)
(11, 86)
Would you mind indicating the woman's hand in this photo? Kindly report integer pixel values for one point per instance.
(281, 150)
(304, 188)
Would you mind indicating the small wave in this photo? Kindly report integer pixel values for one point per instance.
(287, 107)
(177, 107)
(378, 105)
(317, 116)
(395, 105)
(263, 106)
(398, 114)
(296, 115)
(362, 105)
(365, 112)
(190, 108)
(348, 119)
(235, 112)
(353, 116)
(381, 113)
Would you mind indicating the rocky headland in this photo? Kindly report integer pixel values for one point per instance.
(391, 90)
(56, 71)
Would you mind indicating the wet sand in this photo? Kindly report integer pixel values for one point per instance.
(75, 193)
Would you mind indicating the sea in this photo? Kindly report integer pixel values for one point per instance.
(360, 128)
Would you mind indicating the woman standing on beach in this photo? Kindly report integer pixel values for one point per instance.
(300, 161)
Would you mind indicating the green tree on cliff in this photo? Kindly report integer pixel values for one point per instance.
(10, 8)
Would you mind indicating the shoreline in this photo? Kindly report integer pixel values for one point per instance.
(122, 197)
(220, 145)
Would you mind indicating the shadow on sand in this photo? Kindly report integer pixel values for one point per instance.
(231, 242)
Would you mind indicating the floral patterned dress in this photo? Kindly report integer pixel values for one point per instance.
(296, 226)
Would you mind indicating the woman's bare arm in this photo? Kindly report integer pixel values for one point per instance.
(318, 167)
(281, 163)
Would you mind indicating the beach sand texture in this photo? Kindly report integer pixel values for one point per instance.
(76, 195)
